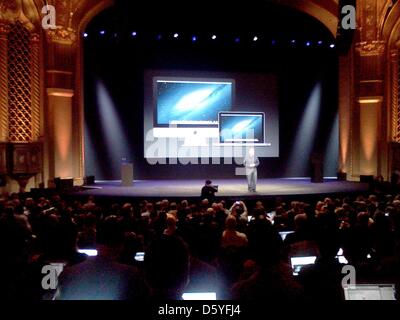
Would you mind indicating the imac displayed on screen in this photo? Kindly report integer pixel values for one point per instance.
(191, 102)
(242, 127)
(191, 114)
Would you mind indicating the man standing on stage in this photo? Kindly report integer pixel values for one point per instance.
(251, 163)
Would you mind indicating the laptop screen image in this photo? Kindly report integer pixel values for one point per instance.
(89, 252)
(283, 234)
(370, 292)
(299, 262)
(199, 296)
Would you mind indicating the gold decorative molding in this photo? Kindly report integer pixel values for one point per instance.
(395, 112)
(8, 6)
(58, 92)
(394, 54)
(62, 35)
(3, 89)
(19, 72)
(4, 28)
(371, 48)
(370, 100)
(23, 11)
(35, 45)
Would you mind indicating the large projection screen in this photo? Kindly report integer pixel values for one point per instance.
(182, 111)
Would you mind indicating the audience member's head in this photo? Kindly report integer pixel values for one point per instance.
(171, 225)
(166, 266)
(230, 222)
(110, 233)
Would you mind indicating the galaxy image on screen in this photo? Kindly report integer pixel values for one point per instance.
(191, 102)
(238, 127)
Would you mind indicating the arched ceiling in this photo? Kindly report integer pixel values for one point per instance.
(77, 13)
(326, 11)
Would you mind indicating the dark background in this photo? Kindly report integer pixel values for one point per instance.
(119, 60)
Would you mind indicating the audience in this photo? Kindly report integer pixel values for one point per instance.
(195, 245)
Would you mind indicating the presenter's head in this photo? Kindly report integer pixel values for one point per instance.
(251, 152)
(208, 182)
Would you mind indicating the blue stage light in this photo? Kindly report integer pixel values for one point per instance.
(308, 43)
(85, 35)
(176, 35)
(293, 41)
(134, 34)
(273, 42)
(332, 46)
(102, 32)
(159, 37)
(237, 40)
(194, 38)
(214, 37)
(320, 42)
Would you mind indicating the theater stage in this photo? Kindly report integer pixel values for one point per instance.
(236, 188)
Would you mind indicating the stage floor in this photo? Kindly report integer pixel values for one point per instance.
(227, 188)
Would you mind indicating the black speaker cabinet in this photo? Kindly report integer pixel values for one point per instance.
(366, 178)
(64, 184)
(3, 158)
(317, 168)
(3, 180)
(342, 176)
(89, 180)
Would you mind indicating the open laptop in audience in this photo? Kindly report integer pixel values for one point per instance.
(370, 292)
(283, 234)
(199, 296)
(299, 262)
(89, 252)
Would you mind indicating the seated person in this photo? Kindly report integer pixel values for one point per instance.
(239, 210)
(208, 191)
(103, 277)
(273, 278)
(231, 237)
(166, 267)
(323, 280)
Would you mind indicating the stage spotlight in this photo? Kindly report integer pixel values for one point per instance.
(306, 133)
(176, 35)
(255, 38)
(134, 34)
(159, 37)
(102, 32)
(308, 43)
(237, 40)
(194, 38)
(85, 35)
(110, 122)
(273, 42)
(332, 149)
(214, 37)
(332, 46)
(293, 41)
(320, 42)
